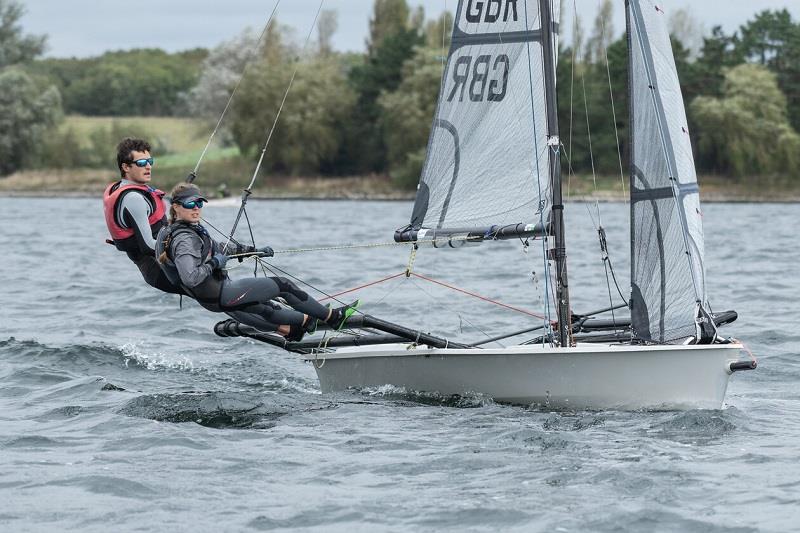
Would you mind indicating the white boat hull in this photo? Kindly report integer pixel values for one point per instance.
(589, 376)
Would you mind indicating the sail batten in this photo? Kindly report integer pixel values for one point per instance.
(667, 271)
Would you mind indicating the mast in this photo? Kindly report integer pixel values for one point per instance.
(559, 251)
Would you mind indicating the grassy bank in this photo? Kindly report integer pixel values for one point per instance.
(178, 143)
(91, 182)
(233, 174)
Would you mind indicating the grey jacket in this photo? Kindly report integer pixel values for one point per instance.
(187, 251)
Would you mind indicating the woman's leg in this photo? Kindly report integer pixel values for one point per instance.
(300, 300)
(249, 291)
(253, 319)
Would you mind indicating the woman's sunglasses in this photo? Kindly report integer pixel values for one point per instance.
(143, 162)
(193, 204)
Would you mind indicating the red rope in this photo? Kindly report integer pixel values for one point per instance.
(747, 350)
(451, 287)
(363, 286)
(517, 309)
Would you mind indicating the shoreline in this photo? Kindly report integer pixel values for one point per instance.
(399, 197)
(90, 183)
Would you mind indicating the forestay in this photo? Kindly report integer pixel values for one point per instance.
(487, 156)
(667, 271)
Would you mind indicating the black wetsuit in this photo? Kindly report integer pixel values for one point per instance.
(248, 300)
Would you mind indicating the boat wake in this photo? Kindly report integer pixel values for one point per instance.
(219, 409)
(134, 354)
(401, 394)
(697, 427)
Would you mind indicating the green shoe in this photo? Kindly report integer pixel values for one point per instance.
(340, 315)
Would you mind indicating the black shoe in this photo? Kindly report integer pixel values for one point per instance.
(310, 326)
(295, 334)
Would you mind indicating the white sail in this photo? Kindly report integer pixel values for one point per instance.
(487, 158)
(667, 272)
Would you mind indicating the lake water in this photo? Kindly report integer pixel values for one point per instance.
(119, 411)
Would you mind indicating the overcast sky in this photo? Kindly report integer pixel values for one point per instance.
(90, 27)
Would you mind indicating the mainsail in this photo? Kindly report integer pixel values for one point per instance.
(668, 291)
(487, 159)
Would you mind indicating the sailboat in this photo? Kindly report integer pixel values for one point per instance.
(493, 172)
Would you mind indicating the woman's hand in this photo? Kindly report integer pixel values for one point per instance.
(218, 261)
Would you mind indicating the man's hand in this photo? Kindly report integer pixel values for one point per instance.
(266, 251)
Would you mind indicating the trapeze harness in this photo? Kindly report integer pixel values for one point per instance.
(124, 239)
(207, 292)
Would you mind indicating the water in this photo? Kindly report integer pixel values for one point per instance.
(120, 411)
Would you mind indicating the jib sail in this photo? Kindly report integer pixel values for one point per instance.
(667, 273)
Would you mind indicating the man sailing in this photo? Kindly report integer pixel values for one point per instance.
(135, 212)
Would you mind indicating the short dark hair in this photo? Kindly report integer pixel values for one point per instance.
(124, 149)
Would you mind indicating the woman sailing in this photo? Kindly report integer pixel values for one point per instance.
(191, 259)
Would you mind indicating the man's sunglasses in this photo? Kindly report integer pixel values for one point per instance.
(143, 162)
(193, 204)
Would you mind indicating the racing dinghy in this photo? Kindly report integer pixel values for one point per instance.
(493, 172)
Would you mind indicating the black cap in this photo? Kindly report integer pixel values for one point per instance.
(188, 194)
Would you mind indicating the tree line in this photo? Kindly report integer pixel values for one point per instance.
(370, 112)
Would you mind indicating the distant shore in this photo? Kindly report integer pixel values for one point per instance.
(91, 183)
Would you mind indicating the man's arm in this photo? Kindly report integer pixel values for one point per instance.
(136, 211)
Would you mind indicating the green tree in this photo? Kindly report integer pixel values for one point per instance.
(389, 17)
(439, 31)
(746, 131)
(585, 103)
(306, 139)
(146, 82)
(392, 41)
(772, 39)
(16, 48)
(407, 114)
(27, 112)
(718, 53)
(28, 107)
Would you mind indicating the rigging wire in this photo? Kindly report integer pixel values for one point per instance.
(248, 61)
(479, 297)
(247, 191)
(572, 100)
(613, 107)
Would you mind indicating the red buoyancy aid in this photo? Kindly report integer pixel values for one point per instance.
(124, 238)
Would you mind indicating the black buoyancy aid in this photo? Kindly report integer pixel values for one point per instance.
(125, 238)
(206, 293)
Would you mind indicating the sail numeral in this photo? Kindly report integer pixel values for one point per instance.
(490, 10)
(482, 74)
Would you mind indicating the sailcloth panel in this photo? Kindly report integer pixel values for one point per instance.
(487, 160)
(667, 272)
